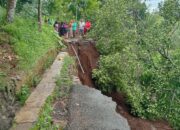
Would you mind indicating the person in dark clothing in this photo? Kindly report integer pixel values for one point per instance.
(65, 30)
(61, 29)
(56, 26)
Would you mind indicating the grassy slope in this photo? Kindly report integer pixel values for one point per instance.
(28, 43)
(31, 47)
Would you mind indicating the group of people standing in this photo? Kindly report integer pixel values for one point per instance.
(73, 28)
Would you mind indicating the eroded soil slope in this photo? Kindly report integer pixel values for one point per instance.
(89, 57)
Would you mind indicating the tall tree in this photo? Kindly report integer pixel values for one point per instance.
(40, 14)
(170, 10)
(11, 10)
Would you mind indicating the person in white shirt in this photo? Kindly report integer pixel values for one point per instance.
(81, 27)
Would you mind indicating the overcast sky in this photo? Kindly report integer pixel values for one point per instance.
(153, 4)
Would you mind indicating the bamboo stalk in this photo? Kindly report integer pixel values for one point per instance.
(78, 59)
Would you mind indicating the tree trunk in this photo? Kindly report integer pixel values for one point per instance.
(11, 10)
(40, 15)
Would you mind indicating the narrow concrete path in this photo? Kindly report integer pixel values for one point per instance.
(28, 114)
(91, 110)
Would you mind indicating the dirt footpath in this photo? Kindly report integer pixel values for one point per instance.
(91, 110)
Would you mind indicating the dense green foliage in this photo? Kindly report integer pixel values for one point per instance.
(170, 10)
(62, 10)
(72, 9)
(140, 57)
(83, 8)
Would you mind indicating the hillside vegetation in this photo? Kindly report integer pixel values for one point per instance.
(22, 50)
(29, 44)
(140, 57)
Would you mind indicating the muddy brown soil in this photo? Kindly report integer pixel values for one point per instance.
(89, 57)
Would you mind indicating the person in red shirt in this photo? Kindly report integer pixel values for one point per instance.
(87, 27)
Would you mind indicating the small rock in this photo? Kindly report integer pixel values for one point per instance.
(18, 78)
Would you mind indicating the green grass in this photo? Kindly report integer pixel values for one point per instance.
(63, 82)
(30, 46)
(23, 94)
(45, 119)
(28, 43)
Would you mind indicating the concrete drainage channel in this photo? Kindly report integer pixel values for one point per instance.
(28, 114)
